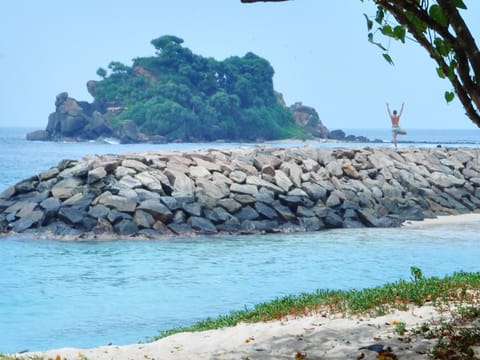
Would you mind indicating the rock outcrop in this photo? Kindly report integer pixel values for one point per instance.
(75, 120)
(248, 190)
(308, 118)
(82, 121)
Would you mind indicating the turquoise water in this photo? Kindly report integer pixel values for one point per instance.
(85, 294)
(56, 294)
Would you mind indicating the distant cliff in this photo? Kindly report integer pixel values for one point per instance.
(180, 96)
(255, 190)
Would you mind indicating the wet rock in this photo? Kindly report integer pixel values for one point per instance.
(202, 225)
(143, 219)
(170, 202)
(255, 226)
(232, 225)
(230, 205)
(26, 186)
(96, 174)
(285, 213)
(71, 215)
(125, 227)
(114, 216)
(117, 202)
(183, 186)
(66, 188)
(238, 176)
(282, 180)
(27, 221)
(265, 210)
(98, 211)
(244, 189)
(445, 180)
(156, 209)
(247, 213)
(217, 215)
(311, 223)
(10, 191)
(181, 229)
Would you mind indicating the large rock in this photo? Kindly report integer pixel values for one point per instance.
(308, 118)
(117, 202)
(157, 210)
(183, 186)
(38, 135)
(73, 120)
(67, 188)
(127, 132)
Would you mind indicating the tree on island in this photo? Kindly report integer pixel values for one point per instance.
(186, 97)
(438, 27)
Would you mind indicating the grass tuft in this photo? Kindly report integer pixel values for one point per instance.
(459, 287)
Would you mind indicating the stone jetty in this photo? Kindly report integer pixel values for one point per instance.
(244, 190)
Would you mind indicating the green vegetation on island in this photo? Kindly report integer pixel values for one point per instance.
(183, 96)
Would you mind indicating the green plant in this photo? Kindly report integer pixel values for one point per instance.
(374, 301)
(416, 273)
(400, 328)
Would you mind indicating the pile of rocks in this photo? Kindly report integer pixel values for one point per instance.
(245, 190)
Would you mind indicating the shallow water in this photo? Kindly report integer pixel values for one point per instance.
(84, 294)
(56, 294)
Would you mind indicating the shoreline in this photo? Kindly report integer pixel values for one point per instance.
(444, 220)
(321, 335)
(441, 220)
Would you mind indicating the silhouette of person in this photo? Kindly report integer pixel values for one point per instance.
(395, 118)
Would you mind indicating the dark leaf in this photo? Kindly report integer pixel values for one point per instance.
(442, 47)
(460, 4)
(441, 73)
(380, 15)
(387, 31)
(388, 58)
(369, 22)
(449, 96)
(400, 33)
(437, 14)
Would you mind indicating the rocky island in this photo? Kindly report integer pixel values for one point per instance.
(244, 190)
(178, 96)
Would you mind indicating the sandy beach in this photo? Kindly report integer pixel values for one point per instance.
(445, 220)
(322, 336)
(318, 336)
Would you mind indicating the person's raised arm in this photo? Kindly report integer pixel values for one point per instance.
(388, 109)
(401, 109)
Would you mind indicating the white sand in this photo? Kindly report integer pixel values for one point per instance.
(445, 220)
(317, 337)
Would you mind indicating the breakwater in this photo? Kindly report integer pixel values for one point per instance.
(244, 190)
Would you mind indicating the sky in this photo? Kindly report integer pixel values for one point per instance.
(318, 48)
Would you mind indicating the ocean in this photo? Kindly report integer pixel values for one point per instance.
(84, 294)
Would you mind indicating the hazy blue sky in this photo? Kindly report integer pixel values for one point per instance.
(318, 48)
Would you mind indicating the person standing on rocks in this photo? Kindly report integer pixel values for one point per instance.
(395, 118)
